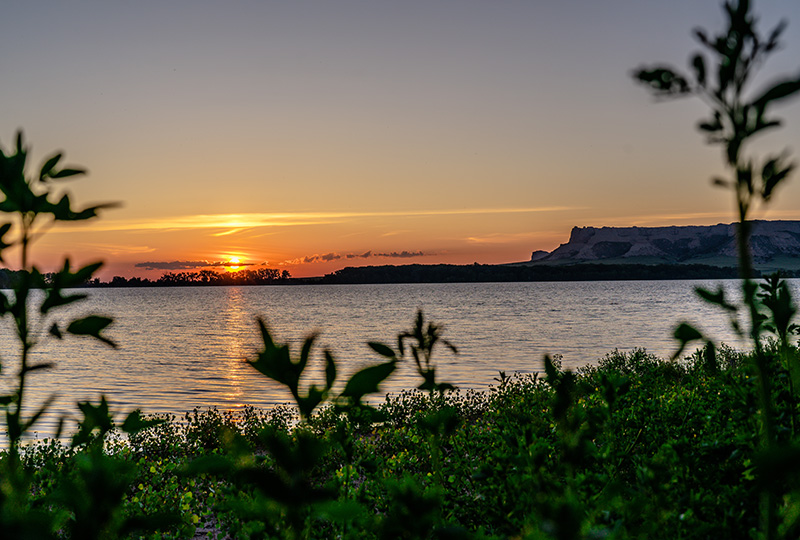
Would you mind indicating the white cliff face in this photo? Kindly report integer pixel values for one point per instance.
(769, 239)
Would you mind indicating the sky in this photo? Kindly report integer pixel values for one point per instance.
(314, 135)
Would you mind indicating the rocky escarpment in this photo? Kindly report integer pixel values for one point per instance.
(769, 240)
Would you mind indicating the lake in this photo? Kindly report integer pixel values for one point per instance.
(181, 348)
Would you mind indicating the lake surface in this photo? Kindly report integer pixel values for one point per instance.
(182, 348)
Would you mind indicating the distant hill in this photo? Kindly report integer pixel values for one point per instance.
(614, 253)
(774, 244)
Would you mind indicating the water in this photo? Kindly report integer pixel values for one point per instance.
(182, 348)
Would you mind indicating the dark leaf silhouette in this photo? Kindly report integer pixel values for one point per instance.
(92, 326)
(48, 167)
(383, 350)
(368, 380)
(65, 173)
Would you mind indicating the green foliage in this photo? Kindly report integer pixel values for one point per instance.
(631, 447)
(736, 118)
(285, 488)
(85, 499)
(423, 338)
(275, 363)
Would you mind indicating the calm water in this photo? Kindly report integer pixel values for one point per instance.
(184, 347)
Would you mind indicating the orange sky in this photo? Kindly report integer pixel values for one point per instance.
(311, 136)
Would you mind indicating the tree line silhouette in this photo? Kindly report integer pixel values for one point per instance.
(260, 276)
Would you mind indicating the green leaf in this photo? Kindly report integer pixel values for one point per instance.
(135, 422)
(40, 367)
(383, 350)
(779, 91)
(551, 370)
(721, 182)
(664, 81)
(309, 402)
(330, 370)
(450, 346)
(54, 299)
(274, 361)
(305, 352)
(367, 380)
(63, 211)
(65, 173)
(772, 41)
(48, 166)
(705, 126)
(700, 34)
(772, 175)
(699, 65)
(63, 279)
(716, 298)
(92, 326)
(95, 417)
(685, 334)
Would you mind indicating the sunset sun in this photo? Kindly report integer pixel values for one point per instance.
(233, 264)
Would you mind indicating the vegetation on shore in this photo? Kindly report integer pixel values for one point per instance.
(634, 447)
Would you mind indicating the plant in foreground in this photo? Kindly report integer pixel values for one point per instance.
(90, 499)
(287, 500)
(736, 118)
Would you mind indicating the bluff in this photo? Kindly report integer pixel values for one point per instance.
(774, 244)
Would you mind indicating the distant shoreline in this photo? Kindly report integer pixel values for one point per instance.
(478, 273)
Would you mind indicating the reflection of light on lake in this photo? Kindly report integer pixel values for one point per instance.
(236, 324)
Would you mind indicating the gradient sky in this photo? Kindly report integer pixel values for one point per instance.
(317, 135)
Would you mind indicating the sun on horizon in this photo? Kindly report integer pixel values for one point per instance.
(234, 264)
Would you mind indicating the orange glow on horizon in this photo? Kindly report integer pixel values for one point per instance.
(234, 264)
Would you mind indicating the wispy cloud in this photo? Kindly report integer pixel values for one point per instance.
(236, 222)
(186, 265)
(115, 249)
(327, 257)
(503, 238)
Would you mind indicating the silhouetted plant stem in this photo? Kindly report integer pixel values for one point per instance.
(738, 51)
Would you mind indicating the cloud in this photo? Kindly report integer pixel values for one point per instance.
(502, 238)
(233, 223)
(322, 258)
(391, 255)
(173, 265)
(115, 249)
(187, 265)
(401, 255)
(366, 255)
